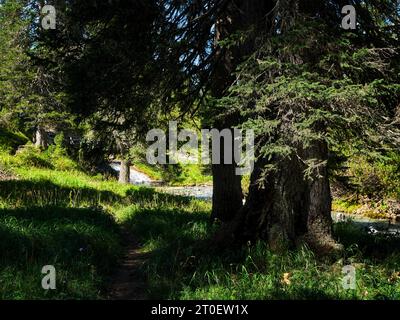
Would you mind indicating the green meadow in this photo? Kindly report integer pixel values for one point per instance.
(52, 213)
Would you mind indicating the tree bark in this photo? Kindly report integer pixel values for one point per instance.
(288, 208)
(319, 219)
(124, 172)
(238, 16)
(227, 192)
(227, 189)
(41, 140)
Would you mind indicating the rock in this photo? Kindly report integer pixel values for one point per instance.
(20, 149)
(341, 217)
(4, 175)
(372, 230)
(393, 207)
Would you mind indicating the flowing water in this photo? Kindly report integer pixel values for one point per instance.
(198, 192)
(141, 179)
(136, 177)
(372, 226)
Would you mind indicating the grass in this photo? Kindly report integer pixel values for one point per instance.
(9, 140)
(183, 265)
(150, 170)
(369, 209)
(346, 206)
(82, 244)
(371, 186)
(177, 175)
(192, 174)
(54, 214)
(61, 218)
(66, 218)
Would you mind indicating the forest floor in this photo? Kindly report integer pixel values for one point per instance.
(112, 241)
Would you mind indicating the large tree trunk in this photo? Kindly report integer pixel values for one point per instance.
(239, 15)
(124, 172)
(227, 192)
(319, 219)
(41, 140)
(288, 208)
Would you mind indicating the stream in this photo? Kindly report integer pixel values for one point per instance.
(372, 226)
(136, 177)
(140, 179)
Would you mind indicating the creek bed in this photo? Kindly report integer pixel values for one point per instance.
(373, 226)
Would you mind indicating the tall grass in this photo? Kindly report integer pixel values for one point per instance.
(60, 218)
(184, 265)
(56, 216)
(82, 244)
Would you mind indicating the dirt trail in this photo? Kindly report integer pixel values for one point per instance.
(128, 283)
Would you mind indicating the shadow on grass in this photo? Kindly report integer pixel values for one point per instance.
(173, 236)
(46, 193)
(83, 245)
(356, 240)
(184, 264)
(145, 194)
(42, 226)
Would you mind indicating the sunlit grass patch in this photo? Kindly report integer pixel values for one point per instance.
(71, 220)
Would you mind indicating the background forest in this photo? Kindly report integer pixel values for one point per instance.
(76, 191)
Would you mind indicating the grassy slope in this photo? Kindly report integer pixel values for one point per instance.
(50, 217)
(374, 186)
(11, 140)
(55, 214)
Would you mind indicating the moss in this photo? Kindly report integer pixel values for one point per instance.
(346, 206)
